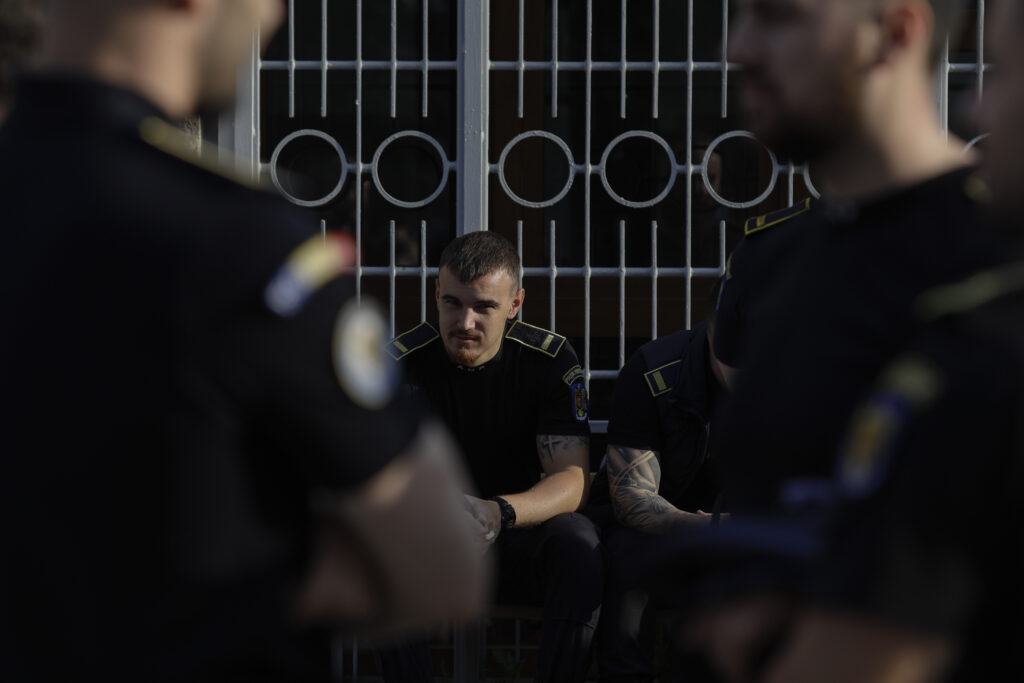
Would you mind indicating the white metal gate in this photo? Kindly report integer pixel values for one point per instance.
(597, 134)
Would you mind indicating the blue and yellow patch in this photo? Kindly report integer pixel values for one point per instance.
(536, 338)
(580, 401)
(907, 388)
(309, 267)
(661, 380)
(754, 225)
(416, 338)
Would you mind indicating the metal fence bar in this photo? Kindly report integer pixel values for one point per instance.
(471, 200)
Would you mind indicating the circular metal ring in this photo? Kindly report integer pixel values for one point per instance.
(974, 143)
(719, 198)
(309, 132)
(809, 183)
(440, 153)
(638, 134)
(515, 141)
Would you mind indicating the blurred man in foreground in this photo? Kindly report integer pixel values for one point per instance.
(915, 574)
(204, 471)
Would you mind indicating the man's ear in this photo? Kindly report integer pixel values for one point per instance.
(906, 27)
(517, 303)
(437, 292)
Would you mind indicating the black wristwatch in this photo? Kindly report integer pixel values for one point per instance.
(508, 513)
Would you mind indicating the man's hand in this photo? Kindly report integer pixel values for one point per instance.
(488, 514)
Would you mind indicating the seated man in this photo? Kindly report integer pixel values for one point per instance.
(657, 478)
(515, 399)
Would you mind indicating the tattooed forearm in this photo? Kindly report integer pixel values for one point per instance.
(633, 479)
(551, 445)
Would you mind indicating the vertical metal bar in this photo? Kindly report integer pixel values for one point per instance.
(622, 293)
(359, 150)
(622, 61)
(588, 172)
(552, 276)
(391, 273)
(519, 250)
(323, 229)
(423, 270)
(394, 58)
(474, 67)
(554, 59)
(725, 58)
(323, 59)
(943, 88)
(980, 63)
(654, 279)
(521, 63)
(426, 55)
(656, 57)
(238, 131)
(291, 59)
(689, 163)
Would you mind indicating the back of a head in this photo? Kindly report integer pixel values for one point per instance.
(479, 253)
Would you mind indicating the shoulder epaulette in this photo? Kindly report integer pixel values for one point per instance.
(416, 338)
(768, 220)
(536, 338)
(967, 295)
(177, 143)
(661, 380)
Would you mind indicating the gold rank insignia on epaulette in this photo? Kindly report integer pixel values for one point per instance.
(661, 380)
(179, 144)
(536, 338)
(309, 267)
(416, 338)
(766, 221)
(969, 294)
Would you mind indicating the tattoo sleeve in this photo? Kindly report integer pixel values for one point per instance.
(633, 480)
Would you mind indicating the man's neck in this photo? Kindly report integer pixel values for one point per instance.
(904, 146)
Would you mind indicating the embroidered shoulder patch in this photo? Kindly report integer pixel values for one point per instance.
(766, 221)
(574, 375)
(416, 338)
(536, 338)
(309, 267)
(580, 401)
(906, 389)
(364, 372)
(661, 380)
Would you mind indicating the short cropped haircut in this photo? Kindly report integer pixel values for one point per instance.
(480, 253)
(20, 27)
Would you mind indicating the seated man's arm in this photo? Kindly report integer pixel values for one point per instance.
(634, 476)
(565, 460)
(398, 554)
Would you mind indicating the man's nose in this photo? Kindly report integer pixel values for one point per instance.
(466, 319)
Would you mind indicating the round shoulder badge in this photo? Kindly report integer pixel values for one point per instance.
(368, 376)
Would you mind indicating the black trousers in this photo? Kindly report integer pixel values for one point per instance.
(632, 606)
(559, 565)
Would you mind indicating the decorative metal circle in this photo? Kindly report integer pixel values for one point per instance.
(445, 164)
(810, 184)
(974, 143)
(719, 198)
(638, 134)
(309, 132)
(515, 141)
